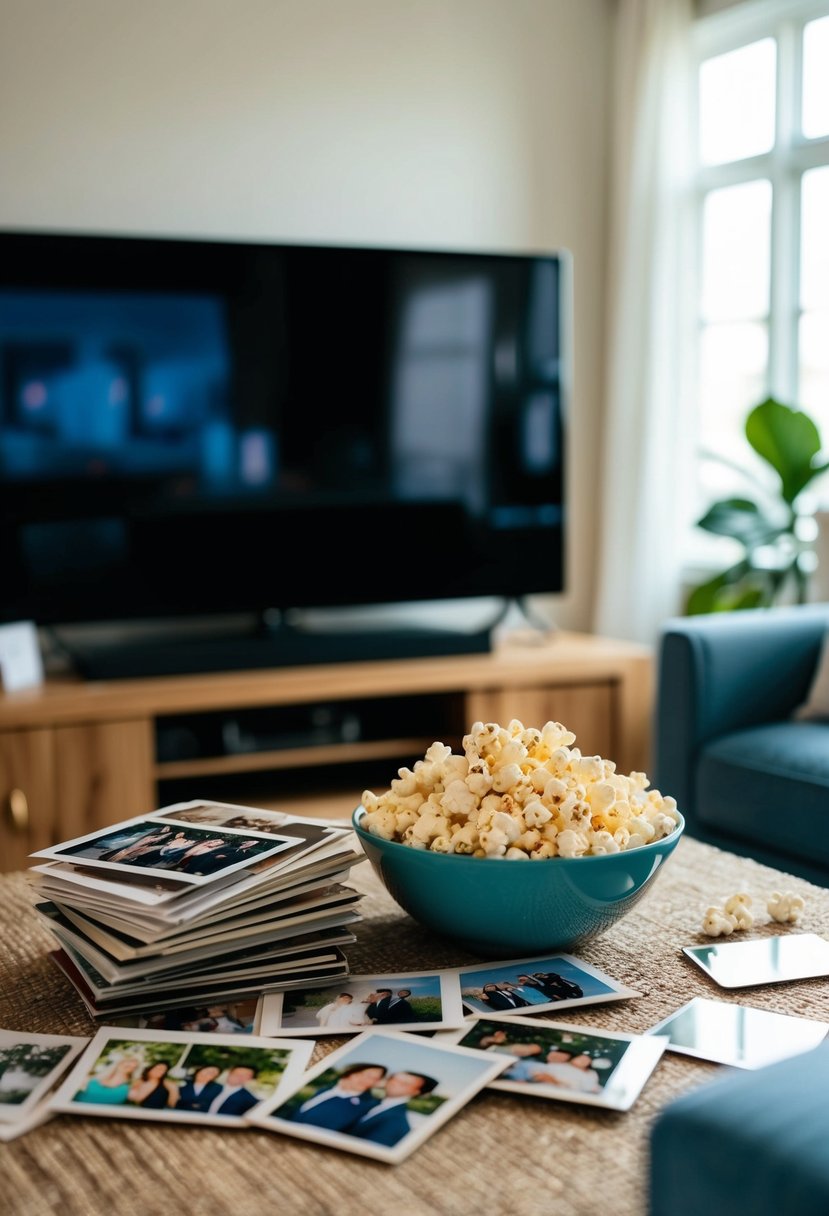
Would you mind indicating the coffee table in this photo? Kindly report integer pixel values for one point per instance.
(502, 1153)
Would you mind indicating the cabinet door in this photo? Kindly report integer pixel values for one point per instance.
(585, 709)
(27, 808)
(104, 774)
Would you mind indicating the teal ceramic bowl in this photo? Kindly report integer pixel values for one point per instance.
(500, 909)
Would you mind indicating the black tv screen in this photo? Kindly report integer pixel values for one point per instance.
(194, 426)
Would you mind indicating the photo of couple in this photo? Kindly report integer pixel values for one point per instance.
(191, 853)
(368, 1101)
(381, 1095)
(404, 1001)
(180, 1076)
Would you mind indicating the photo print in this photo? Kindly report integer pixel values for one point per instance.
(382, 1094)
(566, 1062)
(30, 1066)
(405, 1000)
(153, 846)
(180, 1077)
(236, 1017)
(557, 981)
(244, 819)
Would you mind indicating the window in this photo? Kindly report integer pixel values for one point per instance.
(761, 212)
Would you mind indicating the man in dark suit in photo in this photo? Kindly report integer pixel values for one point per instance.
(376, 1008)
(338, 1106)
(394, 1008)
(556, 987)
(387, 1122)
(200, 1090)
(499, 997)
(390, 1007)
(235, 1098)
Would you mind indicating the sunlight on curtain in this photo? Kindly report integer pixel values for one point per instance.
(647, 441)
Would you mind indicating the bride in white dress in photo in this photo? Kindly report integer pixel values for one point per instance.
(360, 1011)
(342, 1014)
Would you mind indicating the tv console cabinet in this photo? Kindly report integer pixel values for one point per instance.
(76, 756)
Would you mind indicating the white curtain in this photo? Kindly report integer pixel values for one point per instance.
(646, 437)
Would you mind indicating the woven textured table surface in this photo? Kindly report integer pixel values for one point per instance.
(503, 1153)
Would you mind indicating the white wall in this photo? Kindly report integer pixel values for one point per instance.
(442, 123)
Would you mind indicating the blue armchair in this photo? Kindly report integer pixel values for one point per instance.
(746, 774)
(748, 1141)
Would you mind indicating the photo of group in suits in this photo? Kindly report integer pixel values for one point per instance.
(153, 846)
(382, 1094)
(405, 1001)
(521, 986)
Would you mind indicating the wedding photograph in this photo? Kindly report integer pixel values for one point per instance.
(180, 1077)
(408, 1000)
(381, 1095)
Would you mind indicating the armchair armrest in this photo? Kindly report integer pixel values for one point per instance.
(724, 671)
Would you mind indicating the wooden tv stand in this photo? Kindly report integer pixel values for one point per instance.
(77, 756)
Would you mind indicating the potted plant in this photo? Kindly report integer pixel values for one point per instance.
(777, 557)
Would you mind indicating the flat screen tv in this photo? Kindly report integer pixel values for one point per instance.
(197, 427)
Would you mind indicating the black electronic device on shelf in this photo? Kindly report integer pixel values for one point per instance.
(211, 427)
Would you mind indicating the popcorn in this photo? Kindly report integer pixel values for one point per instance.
(786, 908)
(717, 923)
(521, 793)
(737, 907)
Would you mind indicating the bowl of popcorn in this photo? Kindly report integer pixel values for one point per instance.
(450, 836)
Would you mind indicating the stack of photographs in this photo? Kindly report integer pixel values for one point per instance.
(198, 901)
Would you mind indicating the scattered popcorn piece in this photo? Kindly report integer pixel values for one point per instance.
(786, 907)
(518, 792)
(717, 923)
(737, 907)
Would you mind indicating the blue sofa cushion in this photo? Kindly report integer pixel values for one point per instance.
(771, 784)
(751, 1141)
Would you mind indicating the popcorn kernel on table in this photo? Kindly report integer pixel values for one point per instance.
(518, 792)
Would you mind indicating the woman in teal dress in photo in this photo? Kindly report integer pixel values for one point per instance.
(113, 1087)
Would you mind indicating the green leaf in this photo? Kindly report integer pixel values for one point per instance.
(748, 595)
(788, 440)
(742, 585)
(705, 597)
(742, 520)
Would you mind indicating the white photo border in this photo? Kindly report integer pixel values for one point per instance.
(58, 852)
(625, 1083)
(617, 991)
(299, 1053)
(273, 1004)
(14, 1117)
(393, 1041)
